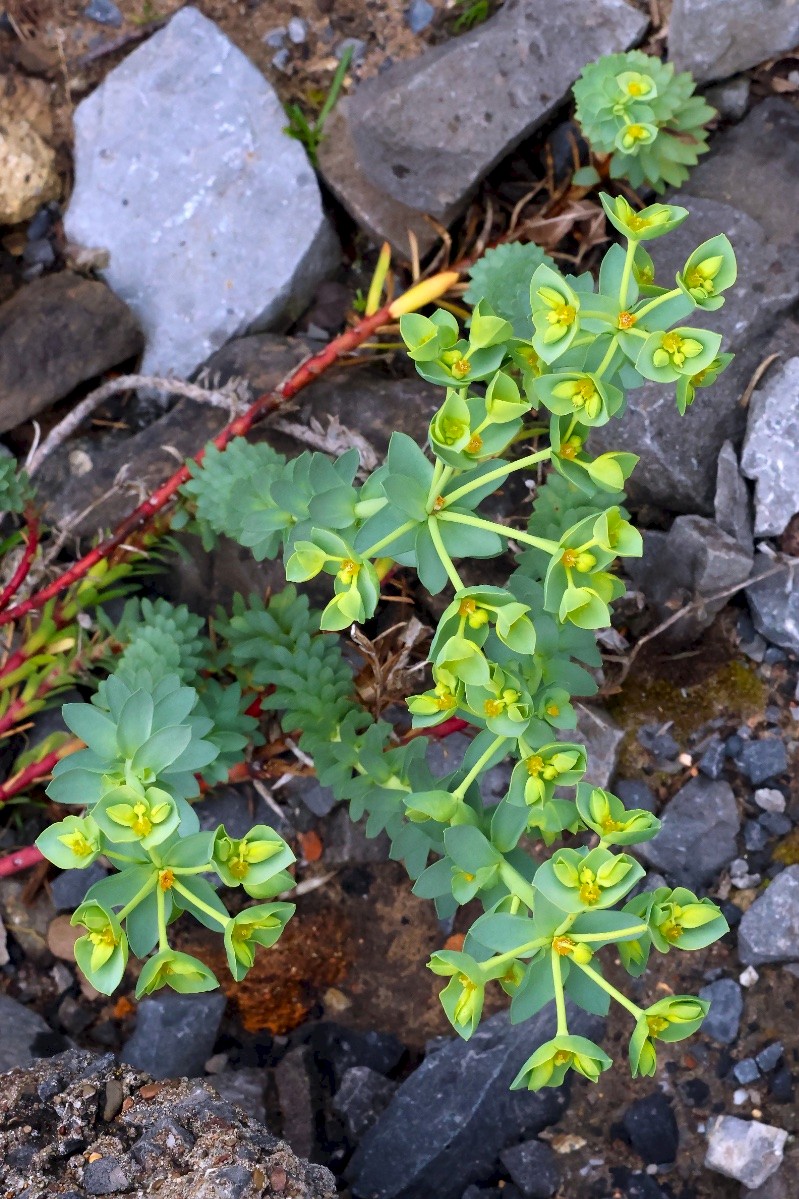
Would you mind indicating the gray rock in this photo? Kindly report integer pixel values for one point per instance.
(211, 214)
(771, 449)
(104, 12)
(602, 738)
(731, 98)
(20, 1027)
(419, 15)
(3, 944)
(634, 793)
(746, 1071)
(774, 601)
(293, 1086)
(380, 215)
(761, 760)
(56, 333)
(651, 1127)
(744, 1149)
(244, 1088)
(769, 1058)
(694, 561)
(775, 1187)
(713, 759)
(362, 1097)
(105, 1176)
(449, 1120)
(69, 888)
(346, 842)
(716, 38)
(769, 929)
(697, 838)
(732, 504)
(679, 455)
(533, 1167)
(419, 132)
(770, 800)
(726, 1008)
(174, 1034)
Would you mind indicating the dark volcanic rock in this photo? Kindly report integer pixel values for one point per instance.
(55, 333)
(652, 1129)
(174, 1034)
(176, 1139)
(697, 838)
(448, 1122)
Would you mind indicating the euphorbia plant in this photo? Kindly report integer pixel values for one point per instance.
(506, 659)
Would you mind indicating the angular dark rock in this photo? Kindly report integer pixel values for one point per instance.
(773, 421)
(769, 929)
(55, 333)
(762, 760)
(449, 1120)
(361, 1098)
(698, 834)
(20, 1029)
(69, 888)
(419, 132)
(337, 1049)
(774, 601)
(651, 1128)
(732, 504)
(533, 1167)
(174, 1034)
(726, 1008)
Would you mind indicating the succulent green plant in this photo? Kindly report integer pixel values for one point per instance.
(636, 109)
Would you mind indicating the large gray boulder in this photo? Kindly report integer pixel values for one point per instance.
(427, 130)
(210, 213)
(716, 38)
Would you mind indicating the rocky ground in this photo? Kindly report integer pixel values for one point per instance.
(229, 260)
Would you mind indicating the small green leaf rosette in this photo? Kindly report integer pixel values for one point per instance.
(665, 357)
(462, 998)
(550, 1063)
(580, 394)
(250, 861)
(180, 971)
(654, 221)
(687, 385)
(556, 308)
(577, 880)
(615, 824)
(709, 271)
(102, 952)
(262, 924)
(71, 844)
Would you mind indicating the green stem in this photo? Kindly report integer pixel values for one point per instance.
(606, 361)
(461, 790)
(517, 884)
(163, 942)
(507, 468)
(668, 295)
(446, 561)
(202, 905)
(438, 471)
(385, 541)
(477, 522)
(560, 999)
(138, 897)
(620, 998)
(627, 272)
(123, 857)
(519, 951)
(623, 932)
(192, 869)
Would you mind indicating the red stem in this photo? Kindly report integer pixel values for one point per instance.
(26, 561)
(260, 408)
(33, 772)
(23, 859)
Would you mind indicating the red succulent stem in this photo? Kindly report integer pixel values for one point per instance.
(23, 859)
(26, 561)
(261, 407)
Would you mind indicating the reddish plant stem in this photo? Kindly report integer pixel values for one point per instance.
(260, 408)
(23, 859)
(26, 561)
(36, 770)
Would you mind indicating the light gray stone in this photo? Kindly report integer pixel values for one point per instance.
(774, 601)
(695, 560)
(771, 449)
(716, 38)
(769, 929)
(679, 454)
(732, 504)
(19, 1028)
(726, 1008)
(174, 1034)
(211, 214)
(448, 1121)
(744, 1149)
(697, 837)
(602, 738)
(427, 130)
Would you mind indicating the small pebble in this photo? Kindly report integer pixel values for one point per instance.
(748, 977)
(781, 1085)
(297, 31)
(712, 761)
(746, 1071)
(282, 60)
(276, 37)
(357, 46)
(419, 15)
(770, 799)
(740, 1096)
(103, 12)
(775, 823)
(756, 837)
(769, 1058)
